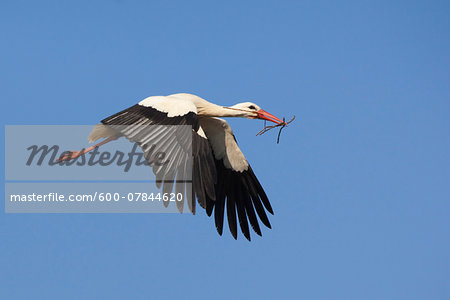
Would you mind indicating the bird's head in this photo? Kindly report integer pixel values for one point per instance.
(252, 111)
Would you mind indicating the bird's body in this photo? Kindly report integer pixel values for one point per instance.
(221, 176)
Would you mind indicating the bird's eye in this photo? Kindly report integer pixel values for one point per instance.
(252, 107)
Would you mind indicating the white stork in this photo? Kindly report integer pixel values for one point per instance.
(221, 176)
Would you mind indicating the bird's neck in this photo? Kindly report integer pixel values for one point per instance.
(208, 109)
(213, 110)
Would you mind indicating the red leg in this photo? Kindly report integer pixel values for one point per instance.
(76, 154)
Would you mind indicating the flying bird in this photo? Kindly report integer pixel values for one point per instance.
(222, 178)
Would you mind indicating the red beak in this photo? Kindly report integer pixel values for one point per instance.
(264, 115)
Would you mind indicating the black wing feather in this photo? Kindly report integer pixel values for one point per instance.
(231, 211)
(250, 209)
(242, 216)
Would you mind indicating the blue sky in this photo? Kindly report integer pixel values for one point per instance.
(359, 183)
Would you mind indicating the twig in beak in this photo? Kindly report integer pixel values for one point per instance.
(282, 124)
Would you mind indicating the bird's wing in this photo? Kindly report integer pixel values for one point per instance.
(172, 141)
(237, 187)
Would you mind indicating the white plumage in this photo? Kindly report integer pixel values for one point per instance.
(172, 105)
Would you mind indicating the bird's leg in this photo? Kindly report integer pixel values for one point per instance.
(75, 154)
